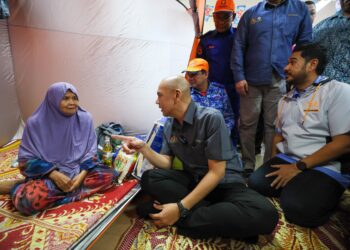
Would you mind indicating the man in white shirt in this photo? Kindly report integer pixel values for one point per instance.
(312, 132)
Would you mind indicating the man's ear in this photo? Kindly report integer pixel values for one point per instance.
(178, 93)
(313, 63)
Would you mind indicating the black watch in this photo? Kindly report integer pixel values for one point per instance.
(183, 211)
(301, 165)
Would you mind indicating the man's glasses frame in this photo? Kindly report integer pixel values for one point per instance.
(192, 74)
(224, 16)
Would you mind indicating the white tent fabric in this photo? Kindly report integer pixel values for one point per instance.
(9, 109)
(115, 52)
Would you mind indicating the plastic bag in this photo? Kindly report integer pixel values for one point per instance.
(107, 129)
(124, 164)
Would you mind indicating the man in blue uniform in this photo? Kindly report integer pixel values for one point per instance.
(215, 47)
(263, 42)
(207, 93)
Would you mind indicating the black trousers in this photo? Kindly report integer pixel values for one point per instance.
(229, 211)
(307, 200)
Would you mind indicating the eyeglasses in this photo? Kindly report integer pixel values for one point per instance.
(192, 74)
(222, 16)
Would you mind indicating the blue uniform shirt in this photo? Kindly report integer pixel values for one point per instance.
(215, 47)
(217, 98)
(264, 40)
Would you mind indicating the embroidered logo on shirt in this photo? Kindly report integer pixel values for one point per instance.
(211, 46)
(173, 139)
(314, 107)
(256, 20)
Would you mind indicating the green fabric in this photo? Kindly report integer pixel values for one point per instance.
(177, 164)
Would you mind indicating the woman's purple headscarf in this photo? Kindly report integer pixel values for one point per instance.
(49, 135)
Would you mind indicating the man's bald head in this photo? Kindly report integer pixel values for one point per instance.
(177, 83)
(174, 96)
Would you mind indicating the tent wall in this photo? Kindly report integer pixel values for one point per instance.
(115, 52)
(9, 109)
(325, 11)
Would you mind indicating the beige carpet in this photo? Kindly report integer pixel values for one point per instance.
(142, 234)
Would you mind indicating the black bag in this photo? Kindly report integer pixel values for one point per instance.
(345, 163)
(108, 129)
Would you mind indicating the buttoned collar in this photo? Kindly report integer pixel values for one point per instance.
(191, 110)
(268, 5)
(229, 31)
(189, 115)
(295, 93)
(196, 91)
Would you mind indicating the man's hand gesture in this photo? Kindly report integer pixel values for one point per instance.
(130, 143)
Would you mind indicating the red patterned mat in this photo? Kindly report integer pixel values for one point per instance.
(56, 228)
(142, 234)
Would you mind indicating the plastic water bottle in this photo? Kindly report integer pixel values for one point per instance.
(107, 152)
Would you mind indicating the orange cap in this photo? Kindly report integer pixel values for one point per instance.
(197, 64)
(224, 5)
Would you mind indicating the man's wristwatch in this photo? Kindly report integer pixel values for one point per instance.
(183, 211)
(301, 165)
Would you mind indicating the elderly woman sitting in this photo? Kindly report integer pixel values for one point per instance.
(56, 154)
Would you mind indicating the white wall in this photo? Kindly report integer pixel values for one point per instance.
(325, 10)
(9, 109)
(115, 52)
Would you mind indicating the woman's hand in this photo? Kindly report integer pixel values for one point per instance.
(61, 180)
(78, 180)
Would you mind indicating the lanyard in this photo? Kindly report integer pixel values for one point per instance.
(306, 112)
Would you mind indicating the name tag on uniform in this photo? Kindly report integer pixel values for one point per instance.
(311, 110)
(256, 20)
